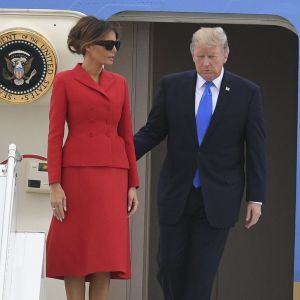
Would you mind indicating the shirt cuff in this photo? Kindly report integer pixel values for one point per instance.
(260, 203)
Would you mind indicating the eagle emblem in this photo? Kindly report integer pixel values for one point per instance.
(18, 67)
(28, 65)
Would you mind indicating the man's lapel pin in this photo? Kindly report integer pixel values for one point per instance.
(227, 88)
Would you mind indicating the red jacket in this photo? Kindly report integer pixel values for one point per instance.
(99, 124)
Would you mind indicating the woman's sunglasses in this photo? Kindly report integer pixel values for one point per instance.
(109, 44)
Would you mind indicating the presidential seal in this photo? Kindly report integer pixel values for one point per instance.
(27, 66)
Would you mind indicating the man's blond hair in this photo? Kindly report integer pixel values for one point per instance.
(210, 37)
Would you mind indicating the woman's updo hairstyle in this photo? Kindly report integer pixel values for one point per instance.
(88, 30)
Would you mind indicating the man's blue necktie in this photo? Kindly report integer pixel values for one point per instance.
(202, 120)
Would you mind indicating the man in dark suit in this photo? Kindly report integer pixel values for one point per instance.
(214, 126)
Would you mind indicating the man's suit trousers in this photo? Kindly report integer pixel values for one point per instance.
(189, 253)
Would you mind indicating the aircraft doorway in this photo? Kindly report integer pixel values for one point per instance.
(257, 264)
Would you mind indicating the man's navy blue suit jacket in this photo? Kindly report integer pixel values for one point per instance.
(231, 156)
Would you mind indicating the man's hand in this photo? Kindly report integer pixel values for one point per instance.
(253, 214)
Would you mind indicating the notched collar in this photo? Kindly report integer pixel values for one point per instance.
(105, 81)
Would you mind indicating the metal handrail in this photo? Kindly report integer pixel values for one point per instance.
(13, 158)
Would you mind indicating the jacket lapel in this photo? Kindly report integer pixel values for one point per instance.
(189, 96)
(223, 98)
(105, 81)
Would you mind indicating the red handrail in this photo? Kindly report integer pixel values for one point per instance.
(28, 156)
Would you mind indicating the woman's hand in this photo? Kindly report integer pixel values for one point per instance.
(58, 201)
(133, 201)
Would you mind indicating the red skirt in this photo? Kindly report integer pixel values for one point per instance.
(94, 236)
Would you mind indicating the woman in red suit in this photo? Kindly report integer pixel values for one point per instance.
(93, 176)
